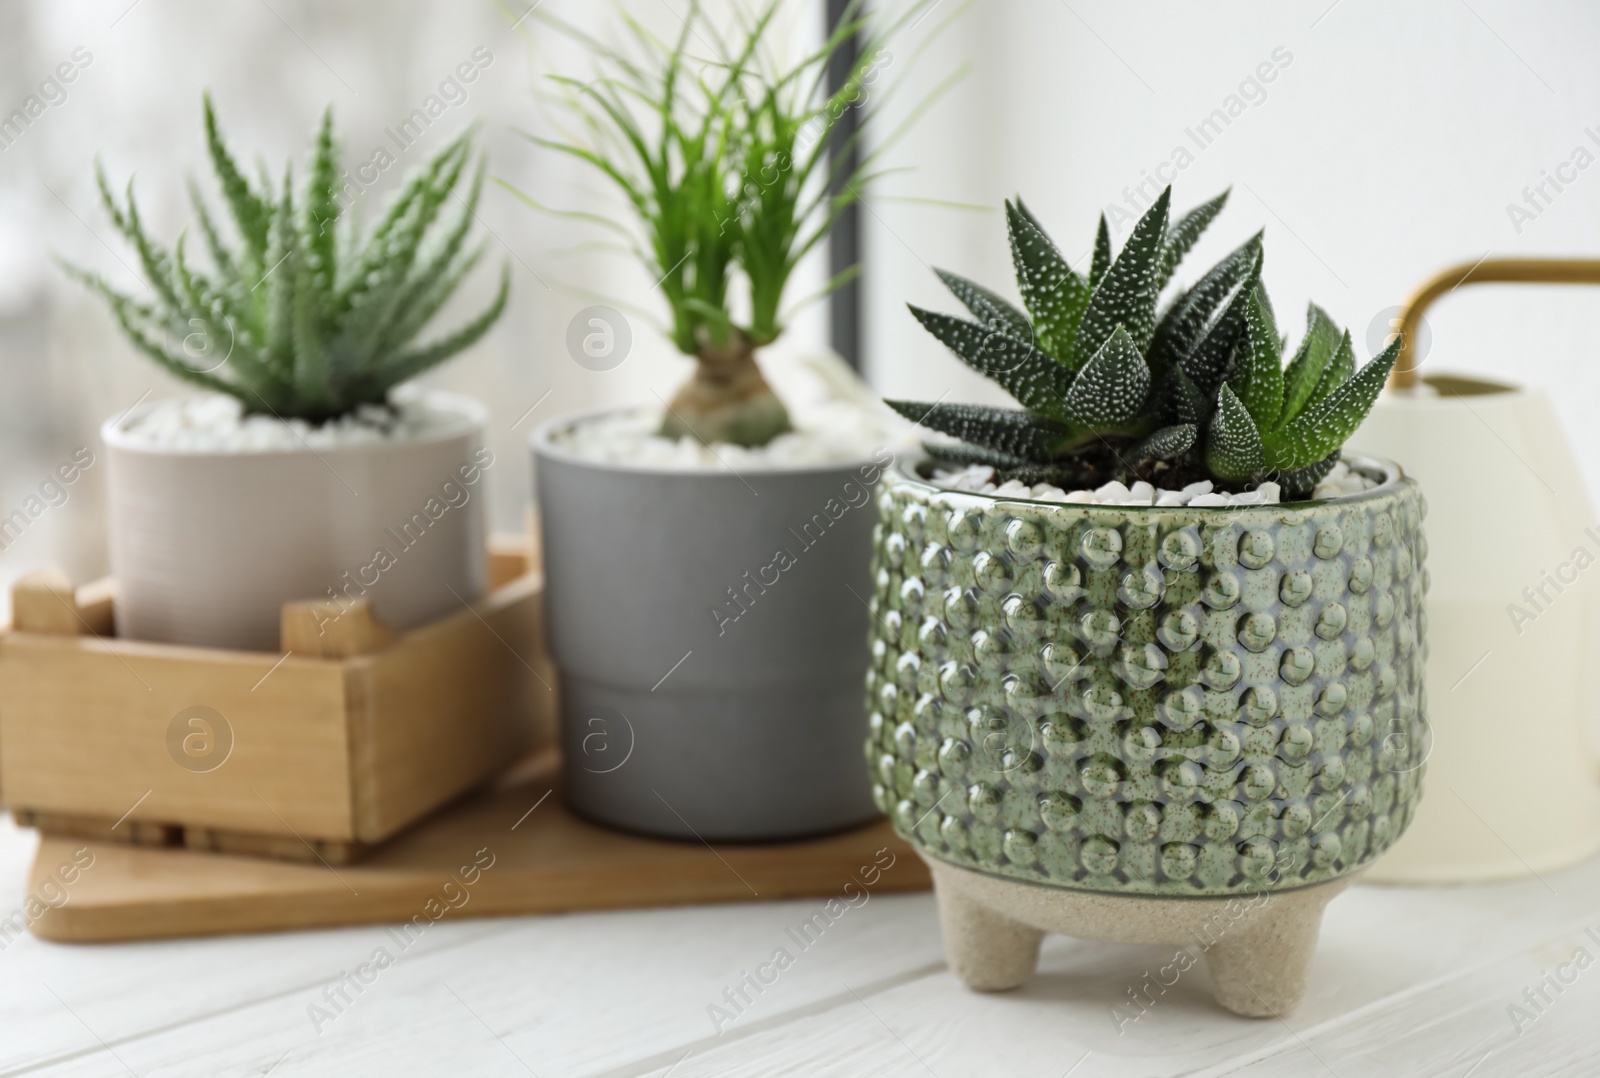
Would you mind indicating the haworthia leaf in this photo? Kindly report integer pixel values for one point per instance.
(1212, 358)
(1006, 430)
(964, 455)
(1180, 401)
(1305, 370)
(1164, 444)
(1302, 481)
(1325, 424)
(1112, 388)
(1233, 448)
(1182, 323)
(1037, 381)
(1183, 234)
(1258, 381)
(1338, 372)
(1102, 254)
(987, 307)
(1052, 292)
(1126, 294)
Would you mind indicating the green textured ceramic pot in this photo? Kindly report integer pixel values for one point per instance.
(1142, 700)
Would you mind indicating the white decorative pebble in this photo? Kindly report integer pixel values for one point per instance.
(829, 432)
(980, 479)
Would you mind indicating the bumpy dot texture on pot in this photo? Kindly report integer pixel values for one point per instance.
(1166, 701)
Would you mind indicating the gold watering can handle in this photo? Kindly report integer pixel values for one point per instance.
(1485, 271)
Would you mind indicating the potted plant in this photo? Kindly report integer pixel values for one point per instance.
(304, 472)
(708, 556)
(1149, 641)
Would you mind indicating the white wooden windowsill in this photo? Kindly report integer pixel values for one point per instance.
(1414, 982)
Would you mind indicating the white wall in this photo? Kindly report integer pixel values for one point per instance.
(1389, 146)
(1386, 149)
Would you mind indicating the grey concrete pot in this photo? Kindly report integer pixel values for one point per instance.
(711, 633)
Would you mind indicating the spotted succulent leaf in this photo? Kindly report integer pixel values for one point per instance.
(1006, 430)
(1038, 382)
(987, 307)
(964, 455)
(1126, 294)
(1102, 254)
(1179, 400)
(1326, 423)
(1212, 358)
(1183, 234)
(1112, 388)
(1185, 319)
(1054, 295)
(1234, 452)
(1259, 378)
(1302, 481)
(1339, 370)
(1165, 444)
(1309, 363)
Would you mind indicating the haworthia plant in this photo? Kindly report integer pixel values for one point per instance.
(302, 315)
(1113, 386)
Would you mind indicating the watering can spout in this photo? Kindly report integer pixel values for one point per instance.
(1510, 784)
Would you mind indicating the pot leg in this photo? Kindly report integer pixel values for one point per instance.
(987, 951)
(1260, 968)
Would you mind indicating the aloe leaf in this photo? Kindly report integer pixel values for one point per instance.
(1305, 370)
(1037, 381)
(321, 211)
(1102, 255)
(1052, 292)
(1126, 294)
(1164, 444)
(252, 214)
(1234, 452)
(1182, 323)
(1325, 424)
(1112, 388)
(1005, 430)
(988, 308)
(1259, 378)
(313, 372)
(414, 361)
(1185, 231)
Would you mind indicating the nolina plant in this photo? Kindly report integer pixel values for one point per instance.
(1112, 388)
(317, 318)
(726, 166)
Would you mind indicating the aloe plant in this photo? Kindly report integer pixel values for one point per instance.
(1114, 388)
(725, 164)
(313, 318)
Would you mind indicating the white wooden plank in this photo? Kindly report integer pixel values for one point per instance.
(1405, 982)
(576, 995)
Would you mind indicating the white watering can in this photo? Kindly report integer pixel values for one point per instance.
(1511, 783)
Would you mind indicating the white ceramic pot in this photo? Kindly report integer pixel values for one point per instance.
(1511, 781)
(206, 547)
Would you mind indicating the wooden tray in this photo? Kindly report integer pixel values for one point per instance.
(540, 858)
(348, 735)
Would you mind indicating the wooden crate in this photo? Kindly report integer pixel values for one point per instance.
(339, 741)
